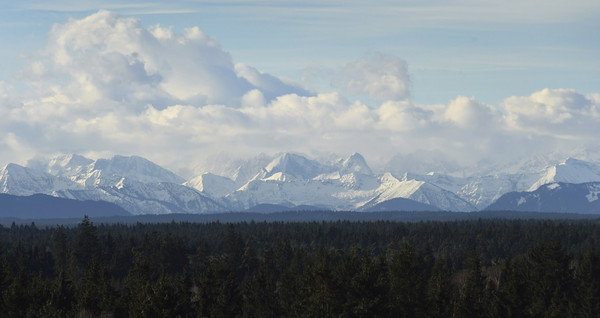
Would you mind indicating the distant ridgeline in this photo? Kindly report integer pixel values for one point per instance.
(292, 182)
(41, 206)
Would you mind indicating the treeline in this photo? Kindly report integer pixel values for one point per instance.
(485, 268)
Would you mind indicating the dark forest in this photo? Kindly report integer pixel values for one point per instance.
(472, 268)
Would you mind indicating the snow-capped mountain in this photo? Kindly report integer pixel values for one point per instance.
(480, 191)
(286, 180)
(569, 171)
(347, 184)
(419, 191)
(293, 166)
(18, 180)
(136, 168)
(149, 198)
(134, 183)
(356, 163)
(553, 197)
(67, 166)
(212, 185)
(240, 170)
(105, 171)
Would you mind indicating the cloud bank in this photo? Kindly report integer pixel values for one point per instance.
(106, 85)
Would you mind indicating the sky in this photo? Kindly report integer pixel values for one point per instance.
(463, 82)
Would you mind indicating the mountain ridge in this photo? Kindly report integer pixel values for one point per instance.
(41, 206)
(287, 179)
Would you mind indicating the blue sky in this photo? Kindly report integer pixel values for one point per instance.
(468, 79)
(486, 49)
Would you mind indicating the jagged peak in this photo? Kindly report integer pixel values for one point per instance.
(294, 165)
(283, 159)
(13, 168)
(69, 159)
(137, 168)
(356, 163)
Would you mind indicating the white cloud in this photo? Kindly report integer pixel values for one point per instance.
(253, 98)
(107, 56)
(379, 76)
(468, 113)
(105, 84)
(271, 86)
(558, 112)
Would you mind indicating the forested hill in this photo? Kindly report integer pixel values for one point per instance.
(480, 268)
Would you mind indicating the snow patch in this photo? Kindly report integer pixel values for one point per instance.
(592, 196)
(120, 184)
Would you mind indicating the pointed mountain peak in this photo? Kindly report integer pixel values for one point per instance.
(19, 180)
(64, 165)
(71, 160)
(136, 168)
(294, 165)
(356, 163)
(214, 185)
(570, 171)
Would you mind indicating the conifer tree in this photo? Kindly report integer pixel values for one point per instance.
(406, 283)
(550, 280)
(471, 299)
(440, 291)
(59, 239)
(588, 286)
(85, 247)
(513, 296)
(260, 299)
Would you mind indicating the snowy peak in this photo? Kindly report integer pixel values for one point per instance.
(359, 181)
(67, 166)
(356, 163)
(134, 183)
(287, 179)
(136, 168)
(294, 165)
(420, 191)
(19, 180)
(212, 185)
(569, 171)
(88, 172)
(242, 171)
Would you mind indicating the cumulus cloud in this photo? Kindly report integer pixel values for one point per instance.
(470, 114)
(105, 84)
(269, 85)
(379, 76)
(107, 56)
(557, 111)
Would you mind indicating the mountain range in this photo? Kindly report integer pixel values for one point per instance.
(290, 181)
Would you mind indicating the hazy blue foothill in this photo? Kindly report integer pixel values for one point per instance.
(555, 197)
(41, 206)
